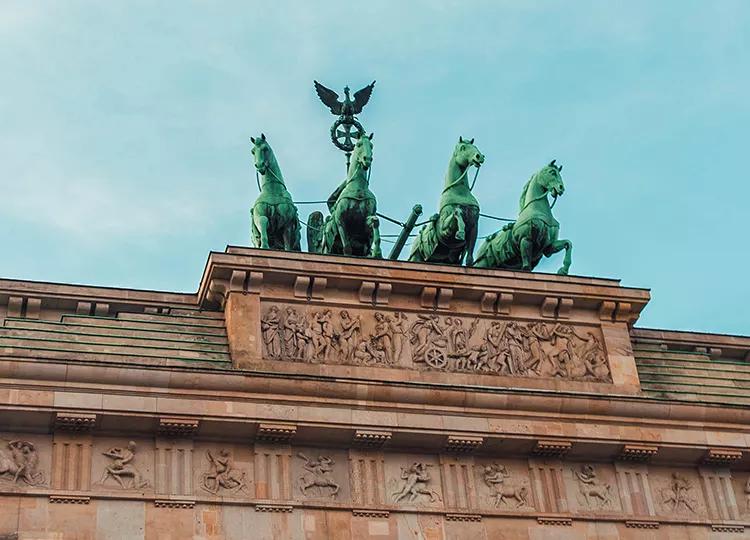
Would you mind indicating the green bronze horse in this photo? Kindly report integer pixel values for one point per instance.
(520, 245)
(451, 234)
(353, 226)
(275, 223)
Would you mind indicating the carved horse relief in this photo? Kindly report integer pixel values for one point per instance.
(450, 234)
(521, 245)
(275, 223)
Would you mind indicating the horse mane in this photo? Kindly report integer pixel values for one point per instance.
(522, 200)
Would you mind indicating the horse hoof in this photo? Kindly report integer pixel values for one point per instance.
(562, 272)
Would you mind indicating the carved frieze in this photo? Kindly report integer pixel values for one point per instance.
(432, 342)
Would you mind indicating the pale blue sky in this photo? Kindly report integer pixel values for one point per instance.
(124, 154)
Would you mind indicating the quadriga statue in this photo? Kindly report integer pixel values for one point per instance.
(353, 226)
(275, 223)
(451, 234)
(521, 244)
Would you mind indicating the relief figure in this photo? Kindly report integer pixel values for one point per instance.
(318, 475)
(503, 491)
(20, 461)
(269, 327)
(351, 329)
(222, 474)
(121, 469)
(415, 478)
(592, 490)
(679, 495)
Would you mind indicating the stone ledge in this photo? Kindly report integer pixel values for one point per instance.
(364, 512)
(365, 438)
(74, 422)
(463, 517)
(276, 433)
(173, 503)
(641, 524)
(556, 521)
(69, 499)
(264, 507)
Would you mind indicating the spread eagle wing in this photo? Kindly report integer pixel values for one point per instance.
(329, 98)
(361, 97)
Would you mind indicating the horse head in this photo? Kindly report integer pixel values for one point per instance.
(362, 154)
(262, 153)
(466, 154)
(551, 180)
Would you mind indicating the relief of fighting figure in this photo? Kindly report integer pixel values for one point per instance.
(433, 342)
(20, 462)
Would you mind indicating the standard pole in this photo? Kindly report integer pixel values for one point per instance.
(405, 232)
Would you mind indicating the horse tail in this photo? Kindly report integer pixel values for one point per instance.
(315, 232)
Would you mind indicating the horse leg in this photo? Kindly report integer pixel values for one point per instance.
(526, 246)
(460, 225)
(471, 240)
(261, 222)
(346, 248)
(559, 245)
(374, 224)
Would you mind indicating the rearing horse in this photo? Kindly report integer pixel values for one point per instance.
(353, 227)
(452, 232)
(275, 223)
(520, 245)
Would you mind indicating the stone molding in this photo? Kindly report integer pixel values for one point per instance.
(551, 448)
(721, 456)
(368, 513)
(727, 528)
(638, 452)
(178, 427)
(69, 499)
(276, 433)
(460, 444)
(75, 422)
(557, 521)
(368, 438)
(269, 507)
(174, 503)
(463, 517)
(641, 524)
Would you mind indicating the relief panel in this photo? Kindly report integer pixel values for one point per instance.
(122, 464)
(421, 341)
(592, 487)
(25, 461)
(321, 475)
(677, 492)
(503, 484)
(223, 470)
(413, 481)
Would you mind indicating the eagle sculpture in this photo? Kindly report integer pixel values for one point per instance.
(348, 107)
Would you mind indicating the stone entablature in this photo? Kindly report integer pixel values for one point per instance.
(457, 402)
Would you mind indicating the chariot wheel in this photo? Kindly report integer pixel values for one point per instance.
(436, 358)
(344, 132)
